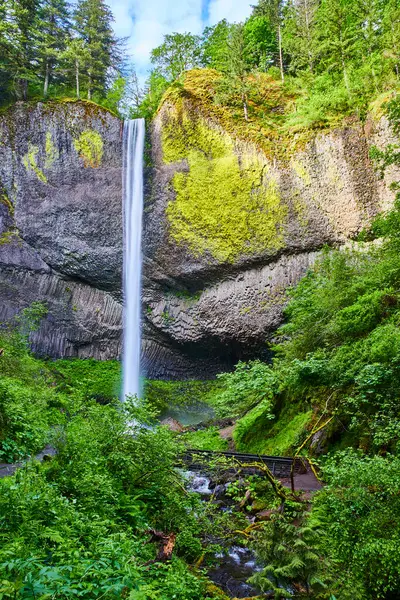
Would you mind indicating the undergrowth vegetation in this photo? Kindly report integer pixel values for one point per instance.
(80, 524)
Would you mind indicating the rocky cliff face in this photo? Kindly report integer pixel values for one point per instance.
(60, 224)
(227, 229)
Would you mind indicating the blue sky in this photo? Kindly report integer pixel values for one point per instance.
(145, 22)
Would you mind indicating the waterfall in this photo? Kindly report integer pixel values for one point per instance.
(133, 143)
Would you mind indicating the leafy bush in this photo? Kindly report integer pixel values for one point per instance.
(164, 394)
(358, 511)
(250, 384)
(77, 525)
(207, 439)
(91, 379)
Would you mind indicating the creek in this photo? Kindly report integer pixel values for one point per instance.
(232, 567)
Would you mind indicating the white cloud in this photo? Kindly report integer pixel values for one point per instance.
(145, 22)
(233, 11)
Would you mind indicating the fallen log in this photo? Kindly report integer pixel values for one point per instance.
(166, 545)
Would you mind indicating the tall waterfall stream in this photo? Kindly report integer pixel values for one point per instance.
(133, 145)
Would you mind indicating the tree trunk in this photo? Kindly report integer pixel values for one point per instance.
(310, 57)
(246, 112)
(77, 77)
(46, 79)
(23, 89)
(280, 53)
(346, 77)
(89, 92)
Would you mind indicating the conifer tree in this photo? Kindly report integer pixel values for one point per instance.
(338, 39)
(298, 33)
(235, 85)
(93, 19)
(76, 58)
(369, 15)
(5, 48)
(273, 11)
(22, 59)
(53, 37)
(391, 34)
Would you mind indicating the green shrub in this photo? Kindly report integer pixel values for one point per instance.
(250, 384)
(206, 439)
(358, 510)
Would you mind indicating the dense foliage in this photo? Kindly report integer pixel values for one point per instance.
(79, 525)
(48, 47)
(333, 56)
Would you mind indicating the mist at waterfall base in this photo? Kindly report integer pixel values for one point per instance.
(133, 145)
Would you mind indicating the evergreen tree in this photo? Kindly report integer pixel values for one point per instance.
(298, 34)
(92, 22)
(391, 34)
(76, 57)
(22, 51)
(272, 10)
(155, 87)
(53, 37)
(234, 84)
(6, 30)
(369, 15)
(338, 39)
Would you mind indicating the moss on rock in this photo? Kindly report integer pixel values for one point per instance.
(228, 204)
(51, 151)
(89, 146)
(30, 162)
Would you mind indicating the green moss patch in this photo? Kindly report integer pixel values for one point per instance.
(89, 146)
(225, 205)
(270, 106)
(278, 438)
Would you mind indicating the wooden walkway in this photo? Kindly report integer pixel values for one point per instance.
(280, 466)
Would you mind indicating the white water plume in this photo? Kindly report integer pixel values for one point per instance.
(133, 144)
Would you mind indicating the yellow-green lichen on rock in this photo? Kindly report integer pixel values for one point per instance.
(30, 162)
(89, 146)
(5, 200)
(9, 236)
(228, 204)
(51, 151)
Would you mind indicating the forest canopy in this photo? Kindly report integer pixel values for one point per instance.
(334, 55)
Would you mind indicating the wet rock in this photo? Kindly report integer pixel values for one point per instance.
(172, 424)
